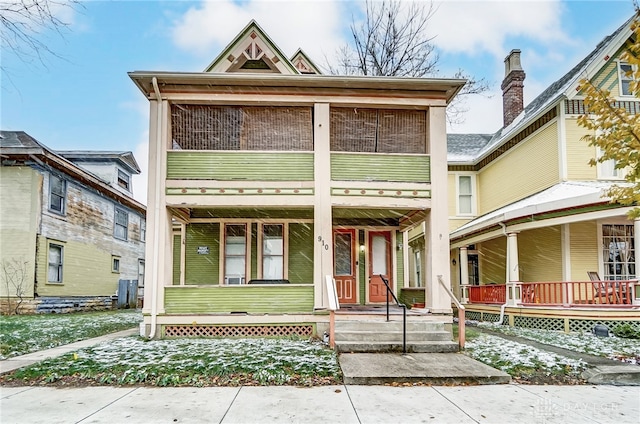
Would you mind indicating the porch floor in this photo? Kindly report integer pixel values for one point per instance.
(378, 310)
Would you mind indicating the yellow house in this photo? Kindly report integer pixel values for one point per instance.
(268, 179)
(534, 242)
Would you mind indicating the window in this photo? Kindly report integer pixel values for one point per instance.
(273, 251)
(55, 263)
(625, 75)
(143, 229)
(115, 264)
(466, 198)
(121, 227)
(57, 194)
(124, 180)
(607, 169)
(235, 253)
(417, 260)
(618, 252)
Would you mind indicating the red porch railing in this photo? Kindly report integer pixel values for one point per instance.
(619, 293)
(579, 293)
(494, 293)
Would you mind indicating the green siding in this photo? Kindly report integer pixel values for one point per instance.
(409, 296)
(301, 253)
(176, 259)
(254, 250)
(228, 166)
(202, 269)
(380, 167)
(253, 299)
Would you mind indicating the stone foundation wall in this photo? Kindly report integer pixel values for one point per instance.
(58, 305)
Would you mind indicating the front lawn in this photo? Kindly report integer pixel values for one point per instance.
(188, 362)
(21, 334)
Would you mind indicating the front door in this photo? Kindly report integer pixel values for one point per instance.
(379, 264)
(344, 269)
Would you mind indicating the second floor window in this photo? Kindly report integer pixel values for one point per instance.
(626, 77)
(121, 224)
(143, 229)
(465, 195)
(57, 194)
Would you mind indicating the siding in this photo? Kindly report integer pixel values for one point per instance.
(540, 254)
(228, 166)
(380, 167)
(492, 261)
(528, 169)
(20, 189)
(176, 259)
(301, 253)
(578, 153)
(252, 299)
(202, 269)
(584, 249)
(451, 189)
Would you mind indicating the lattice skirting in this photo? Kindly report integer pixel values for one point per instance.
(586, 325)
(556, 324)
(305, 330)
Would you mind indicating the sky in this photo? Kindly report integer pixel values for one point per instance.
(83, 99)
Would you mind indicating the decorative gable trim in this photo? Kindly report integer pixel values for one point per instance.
(304, 64)
(252, 51)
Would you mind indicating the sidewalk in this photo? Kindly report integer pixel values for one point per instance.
(509, 403)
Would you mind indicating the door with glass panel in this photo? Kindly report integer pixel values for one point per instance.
(344, 269)
(379, 257)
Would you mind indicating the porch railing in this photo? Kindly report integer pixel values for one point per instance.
(404, 312)
(619, 293)
(491, 294)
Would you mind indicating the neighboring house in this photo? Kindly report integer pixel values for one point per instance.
(267, 177)
(69, 226)
(528, 218)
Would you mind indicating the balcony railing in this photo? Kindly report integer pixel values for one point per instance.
(620, 293)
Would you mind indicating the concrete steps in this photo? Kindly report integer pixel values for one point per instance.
(382, 336)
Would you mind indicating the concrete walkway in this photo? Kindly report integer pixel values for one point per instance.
(507, 403)
(31, 358)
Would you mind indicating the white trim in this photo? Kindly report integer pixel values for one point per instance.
(285, 248)
(565, 242)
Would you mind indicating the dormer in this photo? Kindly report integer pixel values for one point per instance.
(113, 168)
(252, 51)
(304, 64)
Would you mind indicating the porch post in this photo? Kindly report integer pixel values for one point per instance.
(405, 257)
(636, 245)
(464, 275)
(514, 297)
(322, 220)
(437, 228)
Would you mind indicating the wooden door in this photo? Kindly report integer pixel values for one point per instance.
(379, 264)
(344, 268)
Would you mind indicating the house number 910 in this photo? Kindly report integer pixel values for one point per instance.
(325, 245)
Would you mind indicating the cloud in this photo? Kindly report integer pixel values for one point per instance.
(141, 180)
(485, 25)
(314, 26)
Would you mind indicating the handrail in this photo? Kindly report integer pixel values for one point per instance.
(404, 313)
(461, 318)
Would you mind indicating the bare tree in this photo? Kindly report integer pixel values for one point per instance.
(24, 22)
(393, 40)
(14, 277)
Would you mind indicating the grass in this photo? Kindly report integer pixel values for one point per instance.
(188, 362)
(21, 334)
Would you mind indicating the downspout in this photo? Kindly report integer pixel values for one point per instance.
(503, 306)
(156, 213)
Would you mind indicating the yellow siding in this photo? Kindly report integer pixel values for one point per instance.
(578, 153)
(492, 261)
(20, 189)
(540, 254)
(451, 183)
(530, 167)
(584, 249)
(86, 270)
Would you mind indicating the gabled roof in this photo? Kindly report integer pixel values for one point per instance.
(20, 146)
(304, 64)
(564, 87)
(252, 51)
(125, 159)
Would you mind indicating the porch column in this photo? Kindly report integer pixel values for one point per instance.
(322, 221)
(158, 251)
(405, 257)
(636, 246)
(464, 275)
(437, 228)
(513, 270)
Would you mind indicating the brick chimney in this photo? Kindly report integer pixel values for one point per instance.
(512, 87)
